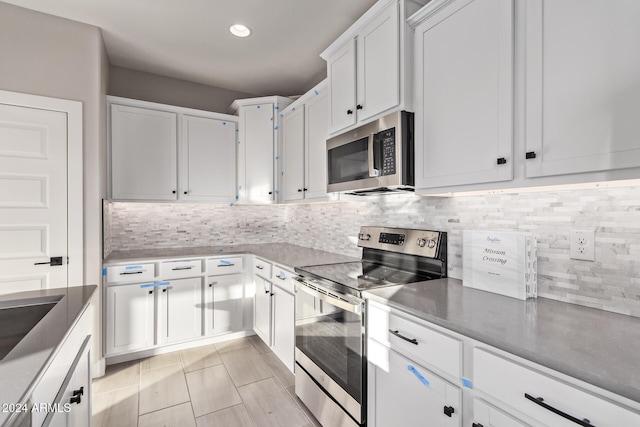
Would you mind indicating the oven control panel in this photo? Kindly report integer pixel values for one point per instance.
(425, 243)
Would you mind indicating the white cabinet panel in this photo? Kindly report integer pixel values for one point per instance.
(486, 415)
(284, 323)
(223, 304)
(180, 310)
(316, 130)
(582, 92)
(208, 154)
(257, 141)
(293, 141)
(262, 309)
(464, 94)
(143, 154)
(130, 318)
(341, 72)
(378, 69)
(406, 394)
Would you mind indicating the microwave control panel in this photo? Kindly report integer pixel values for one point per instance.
(387, 141)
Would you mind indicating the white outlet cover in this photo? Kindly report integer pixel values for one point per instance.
(582, 245)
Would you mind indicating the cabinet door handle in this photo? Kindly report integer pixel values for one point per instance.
(476, 425)
(124, 273)
(174, 191)
(186, 192)
(304, 189)
(281, 277)
(75, 399)
(540, 401)
(349, 111)
(182, 268)
(530, 155)
(411, 340)
(212, 283)
(299, 190)
(164, 290)
(259, 267)
(225, 265)
(358, 107)
(501, 161)
(448, 410)
(79, 392)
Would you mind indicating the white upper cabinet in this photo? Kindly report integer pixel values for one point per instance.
(208, 152)
(370, 67)
(464, 92)
(582, 91)
(305, 125)
(258, 148)
(163, 152)
(143, 154)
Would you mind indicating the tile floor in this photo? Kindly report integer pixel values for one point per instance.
(234, 383)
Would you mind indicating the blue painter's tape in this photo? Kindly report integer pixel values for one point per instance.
(104, 271)
(224, 123)
(316, 92)
(153, 285)
(276, 107)
(293, 109)
(239, 187)
(281, 115)
(224, 262)
(237, 197)
(133, 267)
(283, 274)
(467, 383)
(277, 191)
(277, 157)
(418, 375)
(231, 204)
(276, 127)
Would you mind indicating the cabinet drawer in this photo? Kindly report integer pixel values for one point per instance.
(177, 269)
(284, 278)
(262, 268)
(418, 342)
(131, 273)
(516, 385)
(228, 265)
(486, 415)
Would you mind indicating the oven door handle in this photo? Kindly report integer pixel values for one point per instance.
(372, 171)
(351, 307)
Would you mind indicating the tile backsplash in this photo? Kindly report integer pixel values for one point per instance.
(611, 283)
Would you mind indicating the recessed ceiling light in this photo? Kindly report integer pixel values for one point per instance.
(240, 30)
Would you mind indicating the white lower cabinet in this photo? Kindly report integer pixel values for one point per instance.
(262, 309)
(223, 302)
(74, 397)
(284, 324)
(180, 310)
(129, 318)
(485, 415)
(407, 394)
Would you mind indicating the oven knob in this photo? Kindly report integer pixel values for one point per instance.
(431, 244)
(422, 242)
(363, 236)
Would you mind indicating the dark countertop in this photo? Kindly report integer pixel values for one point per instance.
(281, 253)
(23, 366)
(595, 346)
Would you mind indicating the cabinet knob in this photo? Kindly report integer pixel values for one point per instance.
(304, 189)
(448, 410)
(79, 392)
(501, 161)
(530, 155)
(349, 111)
(174, 191)
(185, 192)
(299, 190)
(164, 290)
(358, 107)
(150, 292)
(270, 192)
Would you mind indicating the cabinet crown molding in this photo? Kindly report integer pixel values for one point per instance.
(429, 10)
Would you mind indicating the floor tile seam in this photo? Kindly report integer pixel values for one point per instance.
(115, 389)
(193, 412)
(162, 409)
(204, 367)
(246, 407)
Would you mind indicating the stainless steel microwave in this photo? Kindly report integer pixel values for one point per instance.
(374, 158)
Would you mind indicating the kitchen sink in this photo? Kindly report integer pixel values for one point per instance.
(18, 317)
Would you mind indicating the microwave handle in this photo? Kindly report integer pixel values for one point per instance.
(373, 172)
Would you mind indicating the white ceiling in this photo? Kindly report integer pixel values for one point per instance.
(190, 39)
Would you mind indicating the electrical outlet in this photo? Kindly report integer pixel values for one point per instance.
(582, 245)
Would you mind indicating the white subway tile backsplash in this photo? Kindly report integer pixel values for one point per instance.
(611, 283)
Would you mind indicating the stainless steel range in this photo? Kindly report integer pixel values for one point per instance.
(330, 316)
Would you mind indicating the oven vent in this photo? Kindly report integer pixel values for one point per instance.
(324, 291)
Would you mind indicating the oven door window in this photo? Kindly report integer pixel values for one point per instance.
(349, 162)
(333, 339)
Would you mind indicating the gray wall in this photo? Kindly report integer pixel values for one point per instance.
(44, 55)
(166, 90)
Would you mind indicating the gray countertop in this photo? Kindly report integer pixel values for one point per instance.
(281, 253)
(595, 346)
(28, 360)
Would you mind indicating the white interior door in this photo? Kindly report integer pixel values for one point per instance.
(33, 198)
